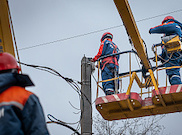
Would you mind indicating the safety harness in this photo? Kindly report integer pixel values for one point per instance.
(111, 59)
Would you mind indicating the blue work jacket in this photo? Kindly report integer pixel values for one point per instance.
(170, 27)
(20, 110)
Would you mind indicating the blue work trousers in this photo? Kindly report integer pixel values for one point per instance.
(108, 73)
(173, 74)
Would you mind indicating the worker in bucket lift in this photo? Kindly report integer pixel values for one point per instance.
(170, 26)
(109, 65)
(20, 110)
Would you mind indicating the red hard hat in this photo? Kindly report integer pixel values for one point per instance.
(106, 35)
(7, 61)
(167, 18)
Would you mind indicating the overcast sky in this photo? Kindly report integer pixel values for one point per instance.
(58, 33)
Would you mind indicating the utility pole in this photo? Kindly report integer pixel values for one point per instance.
(86, 101)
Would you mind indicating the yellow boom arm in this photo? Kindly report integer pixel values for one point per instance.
(132, 30)
(125, 12)
(6, 42)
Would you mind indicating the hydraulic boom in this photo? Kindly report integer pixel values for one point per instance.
(132, 30)
(6, 42)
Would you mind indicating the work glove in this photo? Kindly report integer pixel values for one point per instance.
(150, 31)
(92, 60)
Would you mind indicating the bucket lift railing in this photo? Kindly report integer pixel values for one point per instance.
(164, 99)
(133, 75)
(99, 61)
(172, 49)
(122, 75)
(131, 104)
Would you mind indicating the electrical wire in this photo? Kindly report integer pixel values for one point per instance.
(149, 18)
(73, 106)
(93, 32)
(168, 55)
(57, 121)
(64, 39)
(71, 82)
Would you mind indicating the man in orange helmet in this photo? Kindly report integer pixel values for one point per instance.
(109, 65)
(169, 27)
(20, 110)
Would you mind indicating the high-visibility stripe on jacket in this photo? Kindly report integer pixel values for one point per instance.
(111, 59)
(20, 110)
(16, 96)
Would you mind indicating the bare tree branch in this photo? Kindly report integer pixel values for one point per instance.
(137, 126)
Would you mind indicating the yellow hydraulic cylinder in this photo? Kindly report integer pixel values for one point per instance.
(6, 42)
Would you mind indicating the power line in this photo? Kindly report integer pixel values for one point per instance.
(85, 34)
(64, 39)
(149, 18)
(70, 81)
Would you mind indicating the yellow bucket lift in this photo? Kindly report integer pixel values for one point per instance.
(123, 106)
(162, 100)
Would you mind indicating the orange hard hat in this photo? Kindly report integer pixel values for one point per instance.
(106, 35)
(7, 61)
(167, 18)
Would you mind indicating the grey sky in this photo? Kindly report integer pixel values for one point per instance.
(42, 21)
